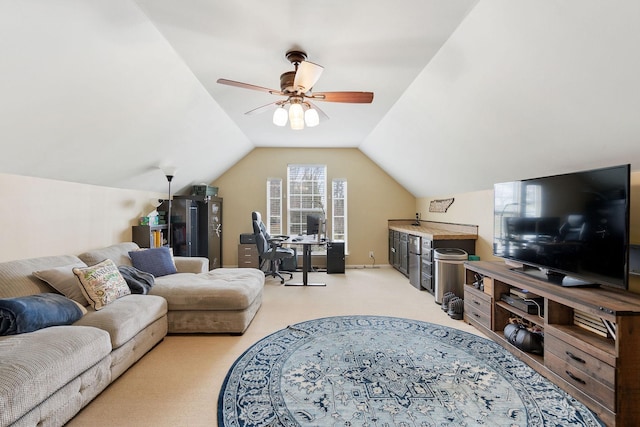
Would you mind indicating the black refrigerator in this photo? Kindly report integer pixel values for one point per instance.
(196, 227)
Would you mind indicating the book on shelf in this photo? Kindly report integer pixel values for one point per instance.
(157, 238)
(594, 324)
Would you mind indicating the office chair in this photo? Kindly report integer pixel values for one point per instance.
(270, 248)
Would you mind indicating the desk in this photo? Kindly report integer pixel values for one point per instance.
(306, 243)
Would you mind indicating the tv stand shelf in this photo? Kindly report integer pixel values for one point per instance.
(600, 371)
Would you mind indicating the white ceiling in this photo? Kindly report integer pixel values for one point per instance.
(467, 92)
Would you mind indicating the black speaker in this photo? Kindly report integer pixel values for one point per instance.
(335, 257)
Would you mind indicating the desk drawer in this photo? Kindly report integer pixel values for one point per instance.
(248, 256)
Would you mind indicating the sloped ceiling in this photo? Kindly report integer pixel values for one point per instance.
(467, 93)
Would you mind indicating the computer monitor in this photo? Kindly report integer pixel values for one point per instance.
(314, 222)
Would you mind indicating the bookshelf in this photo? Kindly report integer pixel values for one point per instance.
(149, 236)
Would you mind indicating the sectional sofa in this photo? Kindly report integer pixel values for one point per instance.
(49, 374)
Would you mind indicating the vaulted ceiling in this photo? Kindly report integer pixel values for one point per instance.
(467, 92)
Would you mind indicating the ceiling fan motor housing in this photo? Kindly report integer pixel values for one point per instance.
(286, 81)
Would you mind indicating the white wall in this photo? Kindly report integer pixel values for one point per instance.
(41, 217)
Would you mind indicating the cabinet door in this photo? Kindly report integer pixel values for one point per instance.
(404, 253)
(396, 249)
(214, 232)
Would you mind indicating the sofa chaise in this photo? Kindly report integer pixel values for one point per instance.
(48, 375)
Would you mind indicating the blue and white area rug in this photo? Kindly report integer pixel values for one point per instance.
(385, 371)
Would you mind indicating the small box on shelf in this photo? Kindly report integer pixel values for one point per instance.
(149, 220)
(488, 285)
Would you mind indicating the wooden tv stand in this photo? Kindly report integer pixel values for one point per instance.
(601, 372)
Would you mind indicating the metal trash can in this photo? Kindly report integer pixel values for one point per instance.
(449, 271)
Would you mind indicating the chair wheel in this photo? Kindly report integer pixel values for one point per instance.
(282, 281)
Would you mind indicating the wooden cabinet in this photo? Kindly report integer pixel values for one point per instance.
(595, 367)
(248, 256)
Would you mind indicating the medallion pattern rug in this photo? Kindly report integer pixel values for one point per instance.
(386, 371)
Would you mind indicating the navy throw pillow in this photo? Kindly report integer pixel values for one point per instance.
(157, 261)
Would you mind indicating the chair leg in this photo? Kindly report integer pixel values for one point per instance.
(274, 271)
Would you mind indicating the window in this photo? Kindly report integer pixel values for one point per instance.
(274, 206)
(307, 195)
(339, 210)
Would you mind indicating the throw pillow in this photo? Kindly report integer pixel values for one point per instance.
(64, 281)
(102, 283)
(20, 315)
(157, 261)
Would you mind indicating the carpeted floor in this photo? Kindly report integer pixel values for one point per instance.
(388, 371)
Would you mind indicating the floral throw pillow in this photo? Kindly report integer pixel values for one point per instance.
(102, 283)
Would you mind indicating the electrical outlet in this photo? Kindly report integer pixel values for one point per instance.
(370, 254)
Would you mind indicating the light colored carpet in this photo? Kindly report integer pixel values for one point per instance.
(178, 382)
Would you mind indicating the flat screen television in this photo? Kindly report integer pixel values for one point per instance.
(570, 229)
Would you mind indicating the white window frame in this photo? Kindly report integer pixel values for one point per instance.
(270, 218)
(335, 235)
(318, 199)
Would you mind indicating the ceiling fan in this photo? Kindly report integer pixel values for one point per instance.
(297, 87)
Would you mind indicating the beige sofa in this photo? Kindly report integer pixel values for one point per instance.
(48, 375)
(223, 300)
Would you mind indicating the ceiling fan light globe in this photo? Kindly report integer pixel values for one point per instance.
(296, 116)
(280, 116)
(311, 117)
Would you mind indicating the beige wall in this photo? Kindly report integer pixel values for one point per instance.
(373, 196)
(41, 217)
(477, 208)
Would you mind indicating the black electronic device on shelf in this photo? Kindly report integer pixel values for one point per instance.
(530, 306)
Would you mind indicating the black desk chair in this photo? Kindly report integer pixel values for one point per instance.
(270, 248)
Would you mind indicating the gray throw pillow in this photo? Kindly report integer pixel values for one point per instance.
(64, 281)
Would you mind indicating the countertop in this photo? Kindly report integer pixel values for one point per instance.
(434, 230)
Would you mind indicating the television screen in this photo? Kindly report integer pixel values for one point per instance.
(574, 225)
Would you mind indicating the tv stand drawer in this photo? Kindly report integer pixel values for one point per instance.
(579, 360)
(581, 381)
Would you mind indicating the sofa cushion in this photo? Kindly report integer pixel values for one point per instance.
(17, 279)
(20, 315)
(102, 283)
(126, 316)
(157, 261)
(118, 253)
(218, 289)
(37, 364)
(64, 281)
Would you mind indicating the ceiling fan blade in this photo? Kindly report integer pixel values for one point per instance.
(264, 108)
(249, 86)
(307, 75)
(321, 113)
(350, 97)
